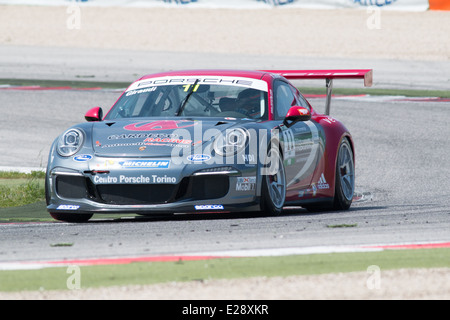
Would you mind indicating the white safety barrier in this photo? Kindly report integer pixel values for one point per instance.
(407, 5)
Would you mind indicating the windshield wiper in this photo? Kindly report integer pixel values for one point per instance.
(185, 100)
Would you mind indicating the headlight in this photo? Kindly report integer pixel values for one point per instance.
(232, 142)
(70, 142)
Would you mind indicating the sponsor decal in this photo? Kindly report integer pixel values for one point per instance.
(122, 145)
(329, 120)
(151, 138)
(82, 158)
(160, 125)
(141, 179)
(245, 183)
(322, 184)
(145, 164)
(133, 92)
(141, 135)
(166, 141)
(288, 144)
(67, 207)
(105, 179)
(199, 157)
(209, 207)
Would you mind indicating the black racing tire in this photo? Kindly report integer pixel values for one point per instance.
(344, 181)
(71, 217)
(273, 187)
(345, 177)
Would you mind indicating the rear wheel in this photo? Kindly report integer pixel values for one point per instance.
(345, 177)
(344, 181)
(273, 193)
(70, 217)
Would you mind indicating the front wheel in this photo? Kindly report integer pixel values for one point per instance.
(273, 193)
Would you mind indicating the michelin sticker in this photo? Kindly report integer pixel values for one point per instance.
(145, 164)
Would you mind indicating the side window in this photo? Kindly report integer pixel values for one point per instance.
(301, 99)
(284, 99)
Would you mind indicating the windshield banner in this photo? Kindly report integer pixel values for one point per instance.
(147, 85)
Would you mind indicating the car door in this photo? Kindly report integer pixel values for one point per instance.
(299, 141)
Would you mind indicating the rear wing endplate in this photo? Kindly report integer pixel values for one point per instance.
(329, 76)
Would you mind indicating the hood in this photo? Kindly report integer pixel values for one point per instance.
(155, 138)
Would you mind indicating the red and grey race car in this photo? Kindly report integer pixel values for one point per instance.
(205, 141)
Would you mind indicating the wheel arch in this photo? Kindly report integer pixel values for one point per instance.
(334, 132)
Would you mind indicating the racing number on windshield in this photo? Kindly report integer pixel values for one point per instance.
(186, 87)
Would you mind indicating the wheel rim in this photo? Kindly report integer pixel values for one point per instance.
(276, 182)
(346, 171)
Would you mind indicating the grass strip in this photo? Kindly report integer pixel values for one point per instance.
(144, 273)
(77, 84)
(19, 189)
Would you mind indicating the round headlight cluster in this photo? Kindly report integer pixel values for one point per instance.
(70, 142)
(232, 142)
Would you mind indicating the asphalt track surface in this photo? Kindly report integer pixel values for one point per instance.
(401, 162)
(402, 151)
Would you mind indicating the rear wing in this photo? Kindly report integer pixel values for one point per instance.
(329, 76)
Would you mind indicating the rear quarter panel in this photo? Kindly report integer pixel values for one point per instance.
(335, 132)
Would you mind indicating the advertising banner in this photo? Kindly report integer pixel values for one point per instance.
(439, 5)
(408, 5)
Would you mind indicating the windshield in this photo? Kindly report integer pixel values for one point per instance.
(193, 98)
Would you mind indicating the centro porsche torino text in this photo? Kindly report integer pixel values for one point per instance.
(134, 180)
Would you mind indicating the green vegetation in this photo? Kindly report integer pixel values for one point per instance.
(143, 273)
(342, 225)
(65, 83)
(19, 189)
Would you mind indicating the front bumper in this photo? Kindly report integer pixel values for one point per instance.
(106, 186)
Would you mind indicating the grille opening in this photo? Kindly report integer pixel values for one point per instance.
(71, 187)
(209, 187)
(130, 194)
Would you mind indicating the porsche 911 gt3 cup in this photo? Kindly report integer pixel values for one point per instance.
(205, 141)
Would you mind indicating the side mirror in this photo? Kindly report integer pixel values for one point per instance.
(295, 114)
(95, 114)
